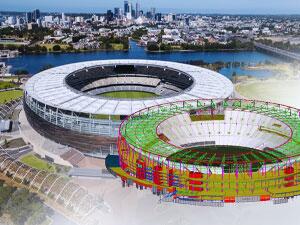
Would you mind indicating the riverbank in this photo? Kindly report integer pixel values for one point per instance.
(199, 50)
(35, 63)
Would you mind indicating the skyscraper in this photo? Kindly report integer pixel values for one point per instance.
(158, 17)
(28, 17)
(153, 11)
(126, 7)
(109, 16)
(63, 18)
(117, 12)
(36, 15)
(137, 9)
(129, 10)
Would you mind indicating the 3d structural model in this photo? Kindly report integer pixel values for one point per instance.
(212, 151)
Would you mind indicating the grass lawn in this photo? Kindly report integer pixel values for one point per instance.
(106, 117)
(117, 47)
(6, 84)
(129, 94)
(7, 96)
(9, 79)
(35, 162)
(5, 43)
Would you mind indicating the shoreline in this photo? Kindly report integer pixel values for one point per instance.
(126, 50)
(207, 50)
(73, 52)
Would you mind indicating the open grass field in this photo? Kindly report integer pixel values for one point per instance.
(6, 84)
(129, 94)
(35, 162)
(117, 47)
(7, 96)
(5, 43)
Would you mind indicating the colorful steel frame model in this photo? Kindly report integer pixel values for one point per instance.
(148, 158)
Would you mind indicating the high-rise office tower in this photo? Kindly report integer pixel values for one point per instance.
(126, 7)
(109, 16)
(158, 17)
(153, 11)
(129, 11)
(130, 8)
(28, 17)
(63, 17)
(137, 9)
(36, 15)
(117, 12)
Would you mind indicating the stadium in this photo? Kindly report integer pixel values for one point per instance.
(211, 152)
(82, 105)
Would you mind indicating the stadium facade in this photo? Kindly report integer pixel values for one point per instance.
(69, 104)
(210, 152)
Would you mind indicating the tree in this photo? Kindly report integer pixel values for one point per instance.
(22, 205)
(137, 34)
(75, 39)
(161, 34)
(165, 47)
(44, 49)
(37, 217)
(5, 193)
(56, 48)
(152, 46)
(21, 72)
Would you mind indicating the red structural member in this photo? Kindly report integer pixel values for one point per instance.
(229, 199)
(289, 179)
(140, 169)
(289, 170)
(289, 184)
(123, 165)
(157, 175)
(264, 198)
(195, 181)
(171, 178)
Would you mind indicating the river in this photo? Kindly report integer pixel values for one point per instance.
(33, 63)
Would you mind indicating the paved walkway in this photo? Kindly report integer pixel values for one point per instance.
(41, 145)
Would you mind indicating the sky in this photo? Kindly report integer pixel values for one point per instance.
(189, 6)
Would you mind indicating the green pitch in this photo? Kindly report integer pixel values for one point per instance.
(225, 155)
(129, 94)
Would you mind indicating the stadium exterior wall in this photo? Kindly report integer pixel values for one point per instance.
(87, 143)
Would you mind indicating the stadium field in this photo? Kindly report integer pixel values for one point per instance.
(35, 162)
(129, 94)
(218, 155)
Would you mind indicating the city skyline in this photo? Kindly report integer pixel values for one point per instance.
(192, 6)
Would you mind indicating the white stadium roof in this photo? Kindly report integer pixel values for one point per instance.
(50, 88)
